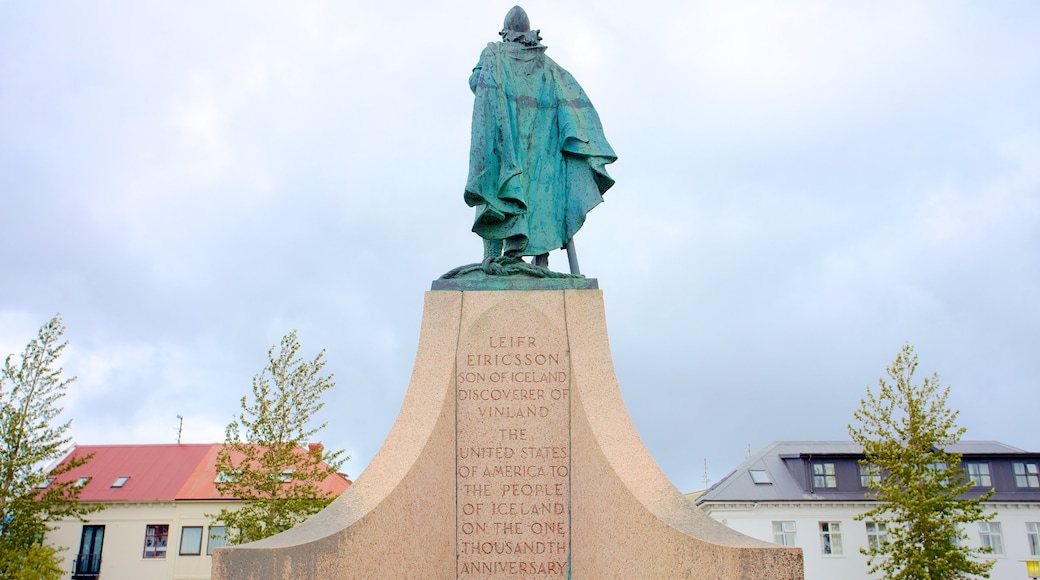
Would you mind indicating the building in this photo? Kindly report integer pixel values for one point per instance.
(156, 523)
(807, 494)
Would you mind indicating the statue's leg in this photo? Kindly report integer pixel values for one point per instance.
(542, 260)
(572, 257)
(492, 249)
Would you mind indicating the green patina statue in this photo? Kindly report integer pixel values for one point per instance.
(537, 155)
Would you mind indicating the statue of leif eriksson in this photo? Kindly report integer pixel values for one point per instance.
(537, 155)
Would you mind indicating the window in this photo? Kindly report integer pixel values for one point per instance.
(191, 540)
(155, 540)
(830, 539)
(228, 476)
(869, 474)
(978, 474)
(120, 481)
(759, 476)
(783, 533)
(937, 472)
(82, 481)
(1033, 537)
(877, 535)
(286, 476)
(823, 475)
(991, 537)
(45, 483)
(88, 559)
(217, 539)
(1026, 474)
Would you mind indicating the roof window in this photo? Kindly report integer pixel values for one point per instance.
(759, 476)
(82, 481)
(120, 481)
(228, 476)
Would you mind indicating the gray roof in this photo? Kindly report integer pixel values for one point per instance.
(983, 448)
(738, 485)
(781, 470)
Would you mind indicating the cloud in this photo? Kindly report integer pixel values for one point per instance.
(801, 188)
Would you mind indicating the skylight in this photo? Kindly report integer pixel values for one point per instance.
(121, 481)
(43, 484)
(228, 476)
(759, 476)
(82, 481)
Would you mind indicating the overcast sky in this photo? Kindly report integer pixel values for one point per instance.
(802, 187)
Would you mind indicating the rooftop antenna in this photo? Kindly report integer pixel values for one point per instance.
(706, 479)
(180, 428)
(748, 451)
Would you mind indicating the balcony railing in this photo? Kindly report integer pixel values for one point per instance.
(88, 567)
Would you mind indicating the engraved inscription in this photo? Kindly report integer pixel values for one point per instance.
(513, 456)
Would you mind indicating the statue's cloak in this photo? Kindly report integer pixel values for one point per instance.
(537, 154)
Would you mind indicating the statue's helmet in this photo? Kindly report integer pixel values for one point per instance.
(516, 21)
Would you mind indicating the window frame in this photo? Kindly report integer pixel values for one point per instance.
(827, 473)
(830, 539)
(876, 537)
(867, 473)
(160, 536)
(1033, 538)
(781, 534)
(979, 479)
(197, 547)
(210, 537)
(87, 559)
(228, 476)
(760, 477)
(991, 535)
(937, 470)
(1029, 477)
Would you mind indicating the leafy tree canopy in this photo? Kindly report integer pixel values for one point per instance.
(31, 388)
(922, 499)
(265, 459)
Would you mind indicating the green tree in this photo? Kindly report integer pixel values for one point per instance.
(30, 389)
(905, 430)
(264, 459)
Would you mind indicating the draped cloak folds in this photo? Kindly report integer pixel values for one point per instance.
(537, 153)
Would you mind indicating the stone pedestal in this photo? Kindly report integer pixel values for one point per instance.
(513, 457)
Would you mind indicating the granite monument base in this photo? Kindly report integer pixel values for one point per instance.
(512, 457)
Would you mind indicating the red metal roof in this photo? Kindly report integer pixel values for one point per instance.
(157, 472)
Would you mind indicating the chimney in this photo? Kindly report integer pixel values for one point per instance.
(316, 449)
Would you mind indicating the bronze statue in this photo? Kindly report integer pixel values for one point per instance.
(538, 153)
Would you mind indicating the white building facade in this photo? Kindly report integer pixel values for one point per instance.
(808, 494)
(162, 540)
(159, 504)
